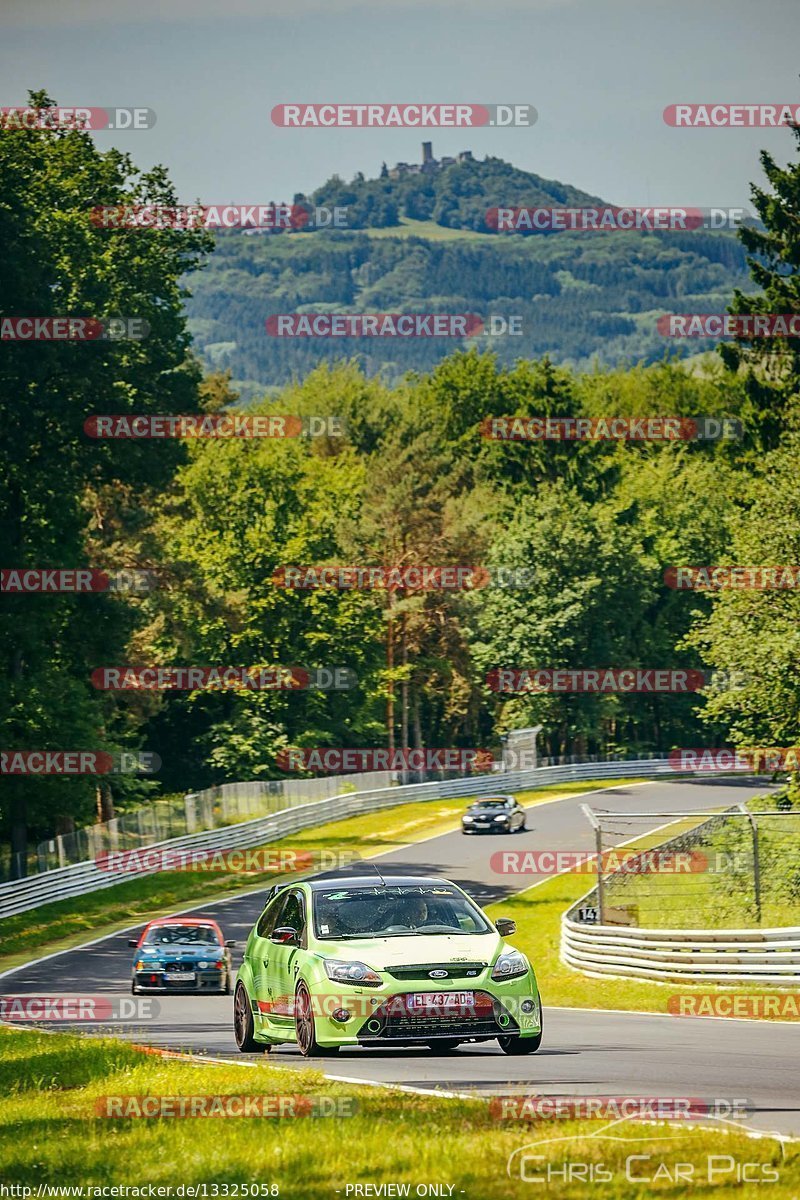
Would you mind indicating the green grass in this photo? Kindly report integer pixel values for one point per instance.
(50, 1085)
(723, 895)
(67, 923)
(428, 230)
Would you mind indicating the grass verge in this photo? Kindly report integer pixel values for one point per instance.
(51, 1084)
(68, 923)
(723, 894)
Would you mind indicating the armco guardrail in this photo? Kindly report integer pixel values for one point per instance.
(721, 956)
(22, 894)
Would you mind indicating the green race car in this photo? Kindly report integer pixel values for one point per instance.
(368, 961)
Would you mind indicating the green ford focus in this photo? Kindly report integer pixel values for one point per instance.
(368, 961)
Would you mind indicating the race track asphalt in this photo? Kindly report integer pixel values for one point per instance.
(584, 1052)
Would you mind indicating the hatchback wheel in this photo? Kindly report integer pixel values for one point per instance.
(520, 1045)
(444, 1045)
(243, 1028)
(305, 1029)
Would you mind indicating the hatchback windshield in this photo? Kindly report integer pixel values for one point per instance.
(396, 912)
(170, 935)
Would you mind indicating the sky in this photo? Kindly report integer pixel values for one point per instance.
(599, 73)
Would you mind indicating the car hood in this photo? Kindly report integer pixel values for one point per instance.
(181, 953)
(417, 949)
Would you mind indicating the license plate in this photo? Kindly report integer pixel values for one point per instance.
(181, 976)
(441, 1000)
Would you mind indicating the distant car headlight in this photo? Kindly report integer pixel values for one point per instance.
(502, 817)
(356, 973)
(510, 965)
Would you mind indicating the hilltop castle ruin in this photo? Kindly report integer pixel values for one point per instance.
(428, 166)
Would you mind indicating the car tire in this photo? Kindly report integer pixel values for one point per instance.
(227, 990)
(523, 826)
(444, 1045)
(516, 1045)
(243, 1028)
(305, 1029)
(134, 989)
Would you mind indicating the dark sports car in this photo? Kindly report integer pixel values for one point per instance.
(494, 814)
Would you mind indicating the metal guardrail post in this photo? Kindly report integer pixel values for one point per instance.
(756, 861)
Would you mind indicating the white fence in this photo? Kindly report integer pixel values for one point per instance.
(720, 956)
(22, 894)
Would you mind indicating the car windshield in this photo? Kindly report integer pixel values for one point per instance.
(426, 909)
(171, 935)
(496, 803)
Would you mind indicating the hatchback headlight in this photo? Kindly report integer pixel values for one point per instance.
(510, 965)
(356, 973)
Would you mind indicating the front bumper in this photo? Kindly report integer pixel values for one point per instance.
(382, 1016)
(488, 827)
(160, 981)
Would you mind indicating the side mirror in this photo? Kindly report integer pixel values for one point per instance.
(505, 926)
(284, 935)
(231, 942)
(133, 942)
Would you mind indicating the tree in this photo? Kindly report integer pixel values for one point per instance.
(771, 365)
(60, 494)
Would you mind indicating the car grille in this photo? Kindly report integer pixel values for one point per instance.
(393, 1021)
(207, 979)
(468, 970)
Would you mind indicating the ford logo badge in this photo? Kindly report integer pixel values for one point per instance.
(438, 974)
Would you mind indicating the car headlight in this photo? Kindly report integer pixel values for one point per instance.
(149, 965)
(502, 817)
(510, 965)
(467, 820)
(357, 973)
